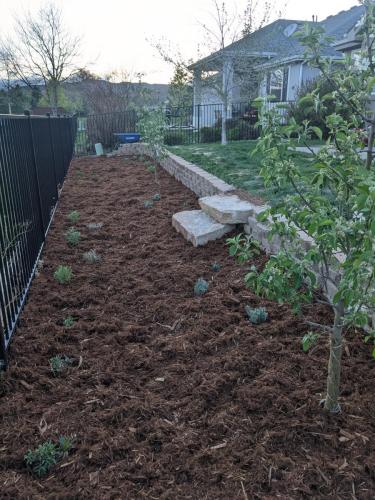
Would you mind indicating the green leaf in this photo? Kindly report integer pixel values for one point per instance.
(318, 132)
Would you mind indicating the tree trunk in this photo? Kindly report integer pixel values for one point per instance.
(331, 402)
(370, 147)
(53, 97)
(224, 124)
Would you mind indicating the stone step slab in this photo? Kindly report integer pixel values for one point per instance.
(227, 209)
(198, 227)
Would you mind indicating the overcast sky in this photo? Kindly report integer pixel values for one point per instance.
(115, 33)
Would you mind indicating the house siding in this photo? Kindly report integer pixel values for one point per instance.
(294, 81)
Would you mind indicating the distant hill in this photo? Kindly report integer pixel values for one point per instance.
(92, 96)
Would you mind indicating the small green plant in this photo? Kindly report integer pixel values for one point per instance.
(243, 247)
(309, 340)
(65, 445)
(69, 321)
(370, 338)
(215, 267)
(74, 216)
(73, 236)
(151, 169)
(201, 287)
(63, 274)
(41, 460)
(256, 316)
(91, 257)
(59, 363)
(148, 204)
(156, 197)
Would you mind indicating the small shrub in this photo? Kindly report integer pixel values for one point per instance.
(69, 321)
(74, 216)
(148, 204)
(156, 197)
(151, 169)
(63, 274)
(309, 340)
(215, 267)
(256, 316)
(59, 363)
(243, 247)
(210, 134)
(91, 257)
(177, 137)
(201, 287)
(41, 460)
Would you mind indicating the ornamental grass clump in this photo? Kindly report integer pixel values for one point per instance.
(148, 204)
(73, 236)
(256, 316)
(59, 364)
(156, 197)
(91, 257)
(215, 267)
(63, 274)
(69, 321)
(74, 216)
(201, 287)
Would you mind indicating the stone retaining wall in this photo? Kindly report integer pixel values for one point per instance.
(205, 184)
(193, 177)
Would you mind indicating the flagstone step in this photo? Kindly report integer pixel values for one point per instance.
(227, 209)
(198, 227)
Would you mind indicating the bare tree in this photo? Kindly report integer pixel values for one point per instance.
(7, 77)
(116, 91)
(223, 31)
(231, 64)
(259, 13)
(43, 51)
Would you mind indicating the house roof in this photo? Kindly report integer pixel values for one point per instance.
(275, 44)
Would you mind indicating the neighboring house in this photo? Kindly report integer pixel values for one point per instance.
(276, 59)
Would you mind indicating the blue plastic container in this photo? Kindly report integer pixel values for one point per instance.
(127, 138)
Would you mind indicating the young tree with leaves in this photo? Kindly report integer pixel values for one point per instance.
(333, 201)
(152, 127)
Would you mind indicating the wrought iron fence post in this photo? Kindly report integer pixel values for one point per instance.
(199, 123)
(53, 155)
(35, 173)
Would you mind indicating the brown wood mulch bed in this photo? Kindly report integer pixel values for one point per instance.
(172, 396)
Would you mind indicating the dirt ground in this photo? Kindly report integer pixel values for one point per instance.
(172, 396)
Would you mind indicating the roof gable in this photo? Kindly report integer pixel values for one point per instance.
(274, 43)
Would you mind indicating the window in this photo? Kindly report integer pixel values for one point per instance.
(276, 84)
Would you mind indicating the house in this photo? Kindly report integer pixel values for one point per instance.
(351, 41)
(275, 62)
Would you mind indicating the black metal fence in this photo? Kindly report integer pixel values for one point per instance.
(35, 153)
(184, 125)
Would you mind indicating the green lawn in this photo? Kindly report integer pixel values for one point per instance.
(234, 164)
